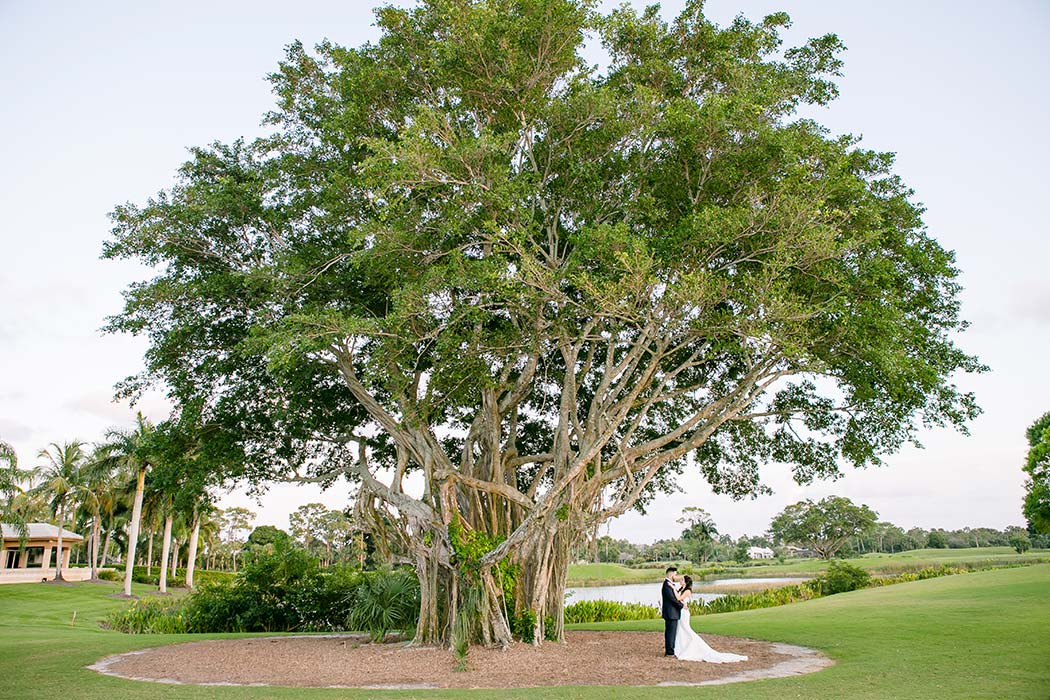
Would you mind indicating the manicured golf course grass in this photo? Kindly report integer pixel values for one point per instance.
(979, 635)
(613, 574)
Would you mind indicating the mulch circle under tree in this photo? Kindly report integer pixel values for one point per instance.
(588, 658)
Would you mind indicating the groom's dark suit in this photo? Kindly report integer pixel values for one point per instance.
(671, 610)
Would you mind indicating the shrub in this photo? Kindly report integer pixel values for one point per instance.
(281, 591)
(139, 575)
(608, 611)
(1020, 542)
(840, 578)
(208, 575)
(523, 626)
(219, 607)
(384, 601)
(925, 573)
(109, 575)
(753, 601)
(151, 616)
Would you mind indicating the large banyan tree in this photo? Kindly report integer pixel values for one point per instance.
(511, 294)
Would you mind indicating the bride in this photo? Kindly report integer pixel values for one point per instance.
(690, 646)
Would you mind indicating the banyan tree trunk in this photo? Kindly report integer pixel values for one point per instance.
(475, 600)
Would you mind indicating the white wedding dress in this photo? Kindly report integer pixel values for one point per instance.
(690, 646)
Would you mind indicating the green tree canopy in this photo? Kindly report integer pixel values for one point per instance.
(544, 285)
(309, 523)
(824, 526)
(699, 535)
(1020, 542)
(1037, 467)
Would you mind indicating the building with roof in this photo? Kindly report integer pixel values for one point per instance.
(759, 553)
(38, 559)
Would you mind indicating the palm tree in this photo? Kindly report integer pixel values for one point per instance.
(17, 505)
(203, 520)
(134, 447)
(112, 505)
(117, 495)
(10, 475)
(151, 516)
(209, 531)
(95, 493)
(168, 508)
(13, 480)
(61, 478)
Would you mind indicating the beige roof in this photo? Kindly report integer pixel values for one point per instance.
(38, 531)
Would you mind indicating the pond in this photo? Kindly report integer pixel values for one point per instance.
(649, 593)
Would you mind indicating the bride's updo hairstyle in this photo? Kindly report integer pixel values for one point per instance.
(688, 584)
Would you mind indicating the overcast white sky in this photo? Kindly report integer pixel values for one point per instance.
(99, 101)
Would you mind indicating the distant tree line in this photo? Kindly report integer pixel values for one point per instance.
(837, 527)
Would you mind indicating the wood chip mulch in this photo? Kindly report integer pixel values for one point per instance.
(587, 658)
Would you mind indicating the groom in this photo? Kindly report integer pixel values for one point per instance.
(670, 610)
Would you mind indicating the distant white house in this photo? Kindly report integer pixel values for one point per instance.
(799, 551)
(759, 553)
(37, 561)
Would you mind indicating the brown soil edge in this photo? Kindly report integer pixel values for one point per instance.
(769, 660)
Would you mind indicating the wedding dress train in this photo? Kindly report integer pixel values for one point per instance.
(690, 646)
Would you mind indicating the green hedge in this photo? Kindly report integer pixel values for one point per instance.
(177, 578)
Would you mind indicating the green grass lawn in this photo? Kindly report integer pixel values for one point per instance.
(979, 635)
(612, 574)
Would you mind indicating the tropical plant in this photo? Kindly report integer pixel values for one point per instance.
(385, 601)
(94, 493)
(18, 506)
(608, 611)
(151, 616)
(59, 480)
(11, 477)
(699, 535)
(132, 447)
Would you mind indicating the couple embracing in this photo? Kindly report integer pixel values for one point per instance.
(679, 638)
